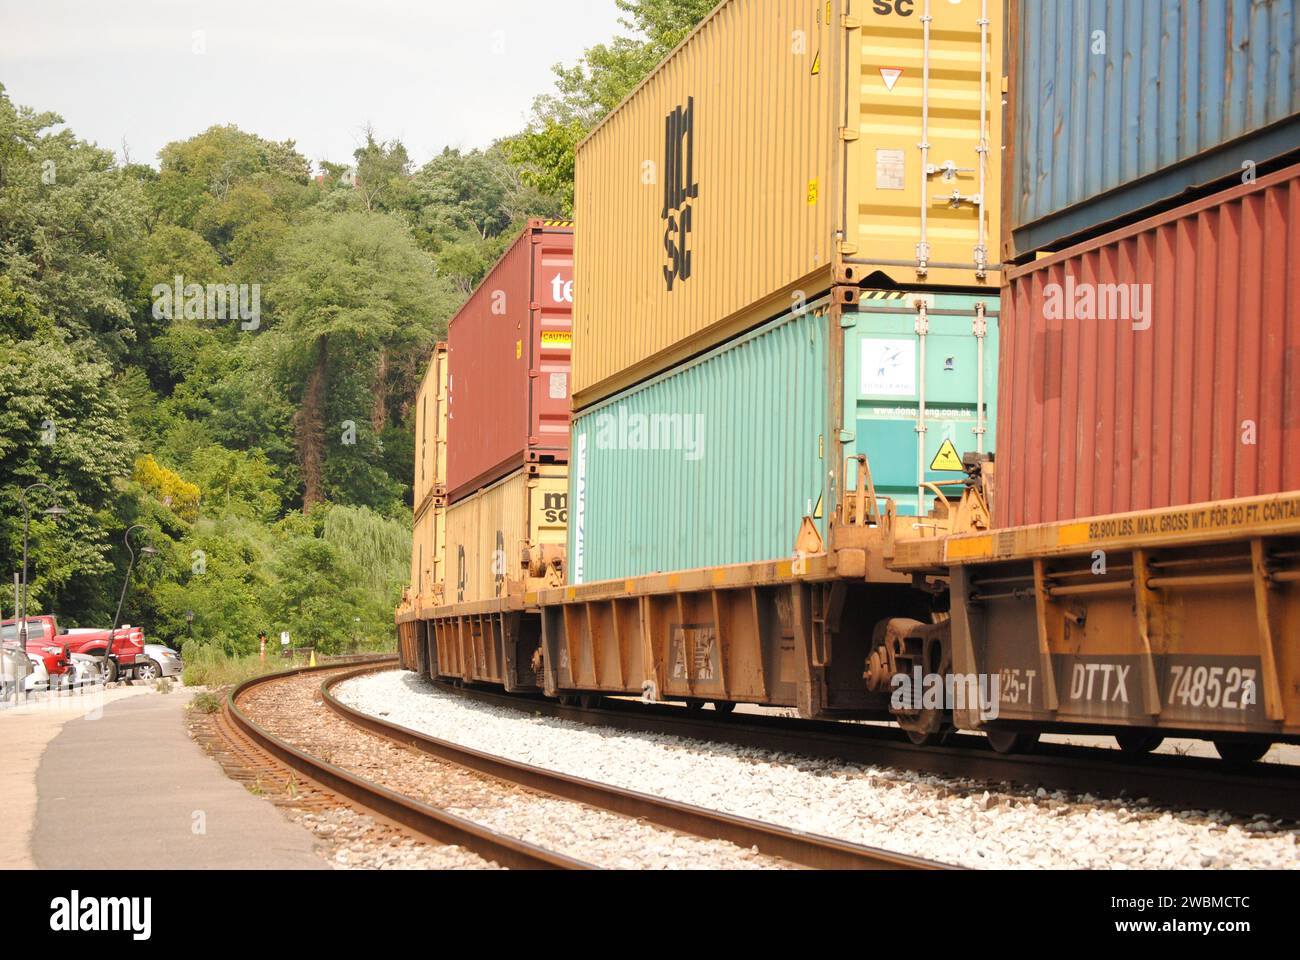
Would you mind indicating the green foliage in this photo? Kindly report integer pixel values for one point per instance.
(269, 465)
(595, 85)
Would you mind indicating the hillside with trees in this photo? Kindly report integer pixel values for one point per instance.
(225, 348)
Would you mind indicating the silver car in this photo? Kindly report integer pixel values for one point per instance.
(162, 661)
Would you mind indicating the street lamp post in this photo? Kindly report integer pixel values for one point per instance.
(146, 551)
(189, 622)
(53, 511)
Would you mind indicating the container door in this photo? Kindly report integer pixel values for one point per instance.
(920, 389)
(552, 343)
(922, 140)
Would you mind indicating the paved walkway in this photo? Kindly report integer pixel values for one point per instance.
(129, 790)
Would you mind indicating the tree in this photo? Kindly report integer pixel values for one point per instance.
(353, 278)
(595, 85)
(61, 423)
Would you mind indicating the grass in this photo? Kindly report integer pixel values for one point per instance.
(207, 702)
(210, 667)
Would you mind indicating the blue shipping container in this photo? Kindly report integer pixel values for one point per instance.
(1118, 106)
(718, 461)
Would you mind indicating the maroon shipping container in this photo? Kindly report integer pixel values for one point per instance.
(509, 352)
(1195, 399)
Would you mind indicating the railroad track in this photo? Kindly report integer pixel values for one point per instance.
(1187, 782)
(427, 821)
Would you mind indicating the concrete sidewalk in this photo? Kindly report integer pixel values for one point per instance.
(131, 790)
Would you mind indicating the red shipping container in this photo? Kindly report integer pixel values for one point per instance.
(1156, 366)
(509, 356)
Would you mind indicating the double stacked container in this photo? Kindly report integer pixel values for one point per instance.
(1116, 108)
(1155, 363)
(509, 360)
(787, 258)
(430, 527)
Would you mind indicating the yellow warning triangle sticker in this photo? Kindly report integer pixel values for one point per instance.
(890, 75)
(947, 460)
(817, 64)
(821, 505)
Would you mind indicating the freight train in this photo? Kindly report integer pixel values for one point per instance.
(826, 445)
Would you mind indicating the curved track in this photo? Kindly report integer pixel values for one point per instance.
(420, 818)
(804, 849)
(1186, 782)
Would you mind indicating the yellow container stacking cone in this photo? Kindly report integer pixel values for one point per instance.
(312, 662)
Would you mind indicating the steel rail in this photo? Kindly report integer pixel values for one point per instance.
(1180, 782)
(805, 849)
(420, 817)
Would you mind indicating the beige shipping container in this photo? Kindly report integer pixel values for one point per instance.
(428, 554)
(431, 431)
(506, 534)
(785, 146)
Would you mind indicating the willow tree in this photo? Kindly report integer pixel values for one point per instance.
(354, 278)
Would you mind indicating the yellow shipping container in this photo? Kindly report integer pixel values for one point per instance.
(431, 431)
(428, 555)
(785, 146)
(506, 534)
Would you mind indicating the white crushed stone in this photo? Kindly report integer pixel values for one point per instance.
(945, 819)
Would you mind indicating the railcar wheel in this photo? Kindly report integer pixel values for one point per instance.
(1242, 751)
(694, 706)
(1138, 742)
(724, 706)
(1012, 741)
(930, 738)
(590, 701)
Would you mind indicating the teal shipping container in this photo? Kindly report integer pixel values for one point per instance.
(717, 461)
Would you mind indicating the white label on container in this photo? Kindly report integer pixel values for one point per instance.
(891, 168)
(889, 368)
(559, 386)
(579, 516)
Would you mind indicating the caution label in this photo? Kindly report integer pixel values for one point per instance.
(947, 460)
(557, 338)
(890, 75)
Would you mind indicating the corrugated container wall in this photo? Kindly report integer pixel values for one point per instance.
(428, 554)
(510, 349)
(431, 431)
(775, 153)
(1117, 105)
(488, 532)
(718, 461)
(1190, 394)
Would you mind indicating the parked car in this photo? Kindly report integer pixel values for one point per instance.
(162, 661)
(45, 638)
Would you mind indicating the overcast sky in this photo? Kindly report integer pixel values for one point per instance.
(458, 72)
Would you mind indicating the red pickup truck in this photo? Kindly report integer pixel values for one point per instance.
(55, 646)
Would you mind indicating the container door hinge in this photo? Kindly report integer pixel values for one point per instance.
(850, 23)
(847, 436)
(847, 249)
(848, 134)
(848, 321)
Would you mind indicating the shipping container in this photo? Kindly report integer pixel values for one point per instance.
(509, 351)
(497, 534)
(1117, 106)
(718, 461)
(431, 431)
(428, 554)
(783, 147)
(1158, 365)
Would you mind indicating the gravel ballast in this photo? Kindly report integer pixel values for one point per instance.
(292, 709)
(944, 819)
